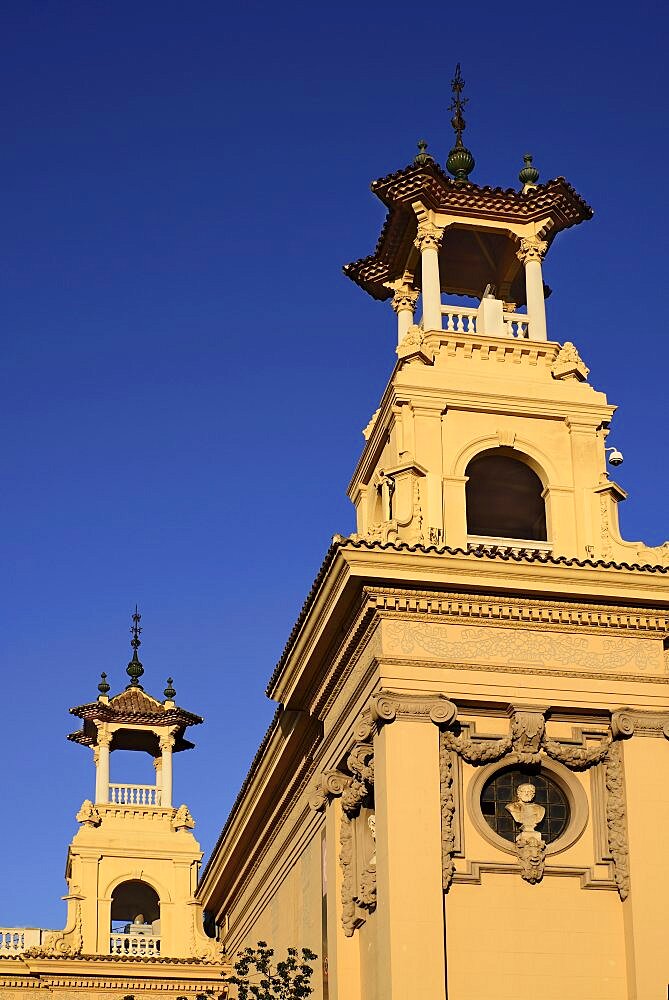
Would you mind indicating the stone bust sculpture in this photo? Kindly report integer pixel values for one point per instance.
(525, 811)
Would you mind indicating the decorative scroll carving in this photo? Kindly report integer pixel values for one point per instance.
(616, 819)
(447, 800)
(65, 943)
(527, 734)
(349, 917)
(428, 237)
(531, 853)
(622, 724)
(88, 814)
(531, 249)
(366, 895)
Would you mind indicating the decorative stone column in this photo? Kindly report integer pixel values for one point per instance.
(531, 253)
(428, 241)
(166, 746)
(102, 766)
(404, 305)
(158, 764)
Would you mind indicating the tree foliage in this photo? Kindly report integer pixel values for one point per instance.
(258, 978)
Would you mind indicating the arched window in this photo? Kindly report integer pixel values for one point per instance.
(504, 499)
(135, 909)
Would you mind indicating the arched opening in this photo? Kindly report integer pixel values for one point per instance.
(504, 499)
(135, 919)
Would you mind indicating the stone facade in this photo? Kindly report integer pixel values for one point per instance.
(461, 793)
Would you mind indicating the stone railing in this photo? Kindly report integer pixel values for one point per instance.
(15, 940)
(502, 545)
(517, 325)
(134, 795)
(459, 319)
(138, 945)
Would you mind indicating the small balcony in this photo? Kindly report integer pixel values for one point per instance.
(134, 945)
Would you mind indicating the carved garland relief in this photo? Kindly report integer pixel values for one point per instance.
(527, 744)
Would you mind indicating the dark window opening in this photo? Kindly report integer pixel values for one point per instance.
(504, 499)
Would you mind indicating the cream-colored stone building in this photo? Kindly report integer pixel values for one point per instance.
(464, 790)
(134, 926)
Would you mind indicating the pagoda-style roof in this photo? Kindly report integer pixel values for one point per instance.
(472, 254)
(136, 708)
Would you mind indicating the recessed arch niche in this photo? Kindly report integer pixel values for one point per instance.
(504, 498)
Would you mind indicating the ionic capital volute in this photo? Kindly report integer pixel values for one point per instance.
(531, 249)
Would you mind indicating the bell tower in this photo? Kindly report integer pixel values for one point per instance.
(489, 433)
(132, 866)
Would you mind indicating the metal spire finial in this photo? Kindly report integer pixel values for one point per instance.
(457, 105)
(134, 670)
(460, 161)
(169, 690)
(103, 686)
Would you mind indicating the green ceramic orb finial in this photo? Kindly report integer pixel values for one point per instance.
(103, 687)
(460, 161)
(422, 156)
(528, 174)
(134, 670)
(169, 691)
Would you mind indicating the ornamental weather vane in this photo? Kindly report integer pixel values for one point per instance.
(460, 161)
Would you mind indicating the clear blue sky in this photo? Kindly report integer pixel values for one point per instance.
(186, 371)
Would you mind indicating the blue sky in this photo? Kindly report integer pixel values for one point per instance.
(186, 371)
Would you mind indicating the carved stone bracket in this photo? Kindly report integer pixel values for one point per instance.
(88, 815)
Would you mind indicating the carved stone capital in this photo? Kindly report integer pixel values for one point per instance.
(531, 249)
(405, 299)
(428, 237)
(104, 737)
(166, 743)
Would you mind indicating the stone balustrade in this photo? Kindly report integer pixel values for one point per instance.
(134, 795)
(15, 940)
(488, 319)
(517, 325)
(459, 319)
(137, 945)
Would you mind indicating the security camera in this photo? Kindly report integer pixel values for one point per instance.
(616, 457)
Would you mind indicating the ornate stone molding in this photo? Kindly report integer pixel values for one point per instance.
(569, 364)
(88, 815)
(447, 800)
(616, 819)
(66, 943)
(531, 249)
(428, 237)
(514, 611)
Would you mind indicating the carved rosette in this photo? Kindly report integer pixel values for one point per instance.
(531, 249)
(428, 237)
